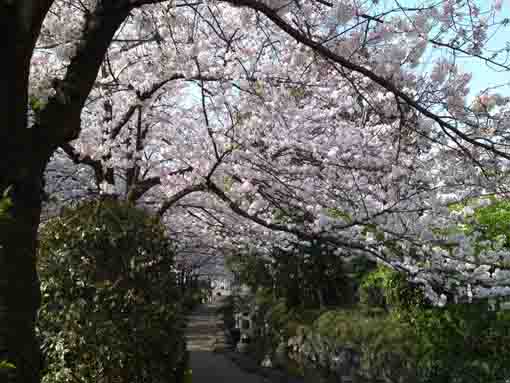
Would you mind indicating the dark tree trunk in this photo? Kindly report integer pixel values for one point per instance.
(24, 153)
(23, 157)
(19, 285)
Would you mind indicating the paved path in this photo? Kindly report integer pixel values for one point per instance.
(204, 335)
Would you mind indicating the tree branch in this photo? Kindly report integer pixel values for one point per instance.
(344, 62)
(148, 94)
(212, 187)
(178, 196)
(143, 186)
(60, 119)
(77, 158)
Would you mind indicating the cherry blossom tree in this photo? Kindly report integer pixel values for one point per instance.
(308, 119)
(382, 144)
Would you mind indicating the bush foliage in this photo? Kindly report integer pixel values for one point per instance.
(110, 308)
(398, 335)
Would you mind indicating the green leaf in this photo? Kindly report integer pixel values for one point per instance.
(227, 183)
(4, 365)
(333, 212)
(5, 204)
(35, 104)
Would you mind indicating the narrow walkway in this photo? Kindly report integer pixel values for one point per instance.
(204, 334)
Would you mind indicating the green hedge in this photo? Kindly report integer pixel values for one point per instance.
(456, 343)
(397, 334)
(110, 308)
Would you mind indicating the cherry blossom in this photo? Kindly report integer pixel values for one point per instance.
(271, 121)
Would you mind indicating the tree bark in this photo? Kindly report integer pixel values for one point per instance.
(19, 285)
(24, 153)
(23, 157)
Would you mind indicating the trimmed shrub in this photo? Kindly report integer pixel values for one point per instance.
(465, 342)
(111, 311)
(394, 336)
